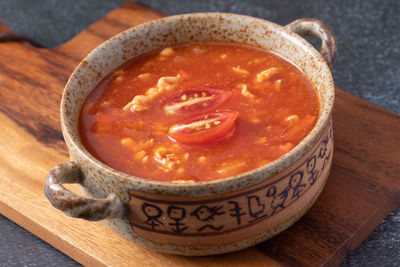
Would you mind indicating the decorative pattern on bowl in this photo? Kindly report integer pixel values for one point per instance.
(202, 217)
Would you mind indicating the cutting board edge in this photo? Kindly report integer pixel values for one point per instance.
(370, 225)
(47, 236)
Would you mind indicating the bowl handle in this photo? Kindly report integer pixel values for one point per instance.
(74, 205)
(316, 28)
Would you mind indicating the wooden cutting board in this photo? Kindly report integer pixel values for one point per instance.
(364, 185)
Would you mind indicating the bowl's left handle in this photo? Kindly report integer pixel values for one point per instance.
(74, 205)
(316, 28)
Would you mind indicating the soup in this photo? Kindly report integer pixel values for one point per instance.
(198, 112)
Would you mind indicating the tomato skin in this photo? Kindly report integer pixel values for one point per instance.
(196, 100)
(204, 129)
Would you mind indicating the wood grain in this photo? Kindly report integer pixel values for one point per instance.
(363, 187)
(8, 36)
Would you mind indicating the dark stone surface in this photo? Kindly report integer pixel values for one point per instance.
(368, 65)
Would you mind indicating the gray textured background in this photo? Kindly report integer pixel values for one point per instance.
(368, 65)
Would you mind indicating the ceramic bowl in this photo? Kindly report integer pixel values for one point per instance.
(199, 218)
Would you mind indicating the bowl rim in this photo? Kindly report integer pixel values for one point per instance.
(218, 186)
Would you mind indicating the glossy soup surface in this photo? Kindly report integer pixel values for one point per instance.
(198, 112)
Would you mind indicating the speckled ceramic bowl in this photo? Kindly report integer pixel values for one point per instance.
(200, 218)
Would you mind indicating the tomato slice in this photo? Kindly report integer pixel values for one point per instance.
(196, 100)
(205, 128)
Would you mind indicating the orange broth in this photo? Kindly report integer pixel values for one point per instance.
(276, 103)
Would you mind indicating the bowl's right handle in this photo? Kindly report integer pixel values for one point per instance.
(316, 28)
(74, 205)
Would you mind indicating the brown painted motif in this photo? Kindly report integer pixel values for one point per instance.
(235, 212)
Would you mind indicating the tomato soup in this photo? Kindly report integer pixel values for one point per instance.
(198, 112)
